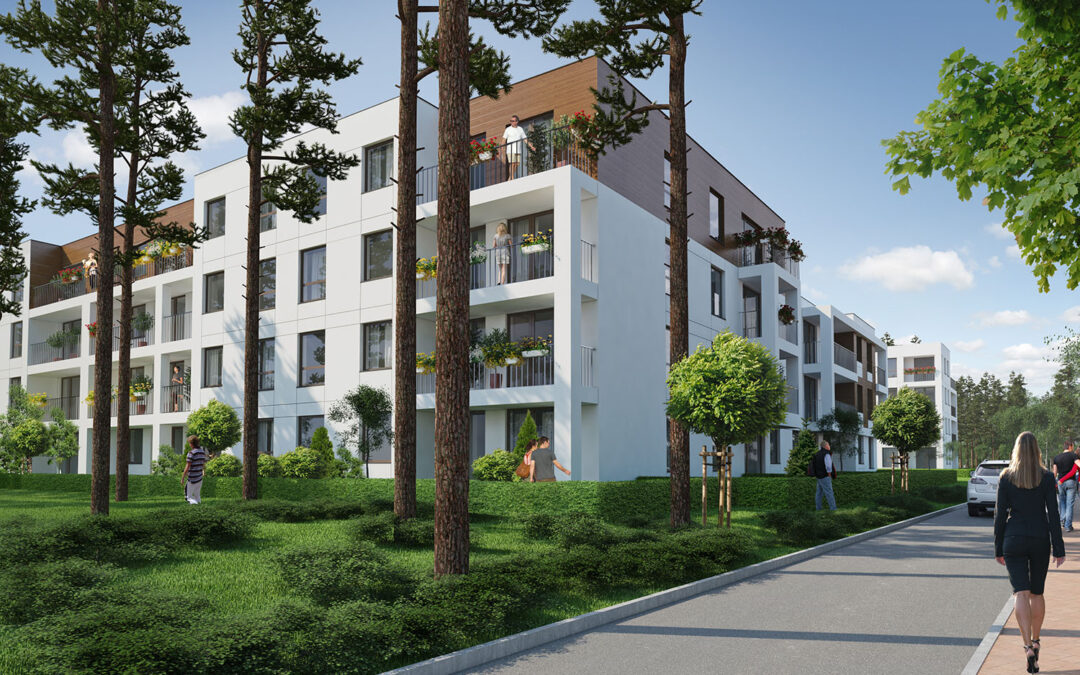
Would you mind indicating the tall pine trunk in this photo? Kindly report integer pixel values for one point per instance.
(680, 329)
(99, 480)
(452, 298)
(405, 262)
(251, 292)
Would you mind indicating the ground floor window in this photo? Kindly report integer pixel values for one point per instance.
(476, 437)
(265, 434)
(305, 429)
(774, 447)
(135, 454)
(544, 418)
(753, 456)
(177, 439)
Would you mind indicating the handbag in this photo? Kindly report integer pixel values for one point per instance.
(522, 470)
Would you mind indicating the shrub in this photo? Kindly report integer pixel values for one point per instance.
(168, 462)
(801, 454)
(202, 527)
(320, 443)
(910, 505)
(499, 465)
(944, 494)
(30, 591)
(269, 466)
(677, 557)
(376, 527)
(578, 529)
(803, 528)
(216, 425)
(304, 463)
(224, 464)
(525, 434)
(415, 532)
(539, 526)
(329, 574)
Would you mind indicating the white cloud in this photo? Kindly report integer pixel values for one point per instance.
(813, 294)
(1013, 252)
(77, 149)
(968, 347)
(213, 113)
(912, 268)
(1006, 317)
(960, 370)
(998, 231)
(1031, 360)
(994, 262)
(1072, 314)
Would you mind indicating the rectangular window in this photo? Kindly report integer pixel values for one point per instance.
(176, 435)
(312, 358)
(892, 367)
(378, 255)
(267, 216)
(543, 417)
(320, 181)
(14, 382)
(305, 429)
(716, 215)
(378, 165)
(862, 449)
(377, 338)
(265, 433)
(266, 364)
(215, 217)
(135, 455)
(667, 270)
(774, 447)
(717, 293)
(211, 367)
(892, 392)
(16, 339)
(667, 181)
(313, 274)
(213, 292)
(267, 284)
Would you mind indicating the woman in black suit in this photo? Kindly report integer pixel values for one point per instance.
(1026, 527)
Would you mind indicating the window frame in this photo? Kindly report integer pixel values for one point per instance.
(719, 199)
(301, 368)
(221, 366)
(299, 424)
(388, 342)
(273, 356)
(268, 211)
(368, 149)
(272, 293)
(207, 205)
(206, 294)
(324, 183)
(367, 255)
(11, 348)
(269, 421)
(667, 180)
(715, 293)
(304, 284)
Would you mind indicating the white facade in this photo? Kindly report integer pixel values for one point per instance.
(925, 367)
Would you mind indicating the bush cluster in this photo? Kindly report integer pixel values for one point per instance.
(386, 528)
(330, 574)
(224, 465)
(281, 511)
(944, 494)
(804, 528)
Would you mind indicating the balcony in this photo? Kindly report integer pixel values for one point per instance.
(556, 148)
(176, 327)
(789, 332)
(588, 261)
(69, 405)
(55, 290)
(881, 376)
(810, 350)
(588, 363)
(138, 339)
(844, 357)
(751, 321)
(507, 263)
(174, 399)
(534, 372)
(764, 253)
(139, 405)
(43, 352)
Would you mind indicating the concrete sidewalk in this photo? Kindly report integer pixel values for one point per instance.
(915, 600)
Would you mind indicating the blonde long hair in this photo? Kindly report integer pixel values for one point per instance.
(1026, 469)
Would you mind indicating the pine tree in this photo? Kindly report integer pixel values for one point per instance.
(618, 118)
(284, 61)
(801, 454)
(526, 434)
(12, 206)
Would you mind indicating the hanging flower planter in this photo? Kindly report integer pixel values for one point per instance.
(482, 151)
(534, 347)
(478, 255)
(511, 361)
(536, 243)
(427, 268)
(786, 314)
(425, 363)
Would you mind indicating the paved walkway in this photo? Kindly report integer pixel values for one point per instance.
(1061, 635)
(917, 600)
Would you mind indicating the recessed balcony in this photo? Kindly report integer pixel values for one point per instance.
(72, 281)
(54, 350)
(537, 371)
(497, 267)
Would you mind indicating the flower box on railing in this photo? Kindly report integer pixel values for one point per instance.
(536, 243)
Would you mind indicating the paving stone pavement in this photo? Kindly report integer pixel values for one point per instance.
(916, 600)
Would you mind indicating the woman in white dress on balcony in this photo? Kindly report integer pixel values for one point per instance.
(502, 245)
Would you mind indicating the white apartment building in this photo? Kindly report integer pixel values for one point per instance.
(924, 367)
(328, 290)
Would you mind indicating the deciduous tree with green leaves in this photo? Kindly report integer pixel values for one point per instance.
(63, 439)
(1009, 132)
(216, 425)
(365, 413)
(908, 422)
(732, 391)
(284, 61)
(657, 25)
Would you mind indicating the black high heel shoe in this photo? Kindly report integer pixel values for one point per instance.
(1035, 647)
(1032, 665)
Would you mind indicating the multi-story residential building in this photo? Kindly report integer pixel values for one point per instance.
(598, 291)
(924, 367)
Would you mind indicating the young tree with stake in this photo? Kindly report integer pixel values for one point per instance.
(365, 411)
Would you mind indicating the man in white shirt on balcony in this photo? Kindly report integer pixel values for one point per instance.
(514, 137)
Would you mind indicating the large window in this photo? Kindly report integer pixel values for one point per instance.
(16, 339)
(774, 447)
(312, 358)
(14, 382)
(266, 364)
(215, 217)
(377, 338)
(378, 255)
(667, 181)
(892, 367)
(313, 274)
(267, 216)
(378, 165)
(305, 429)
(176, 439)
(211, 367)
(543, 417)
(135, 448)
(213, 292)
(717, 292)
(265, 434)
(267, 284)
(320, 182)
(716, 215)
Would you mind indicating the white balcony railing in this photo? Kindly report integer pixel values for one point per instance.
(534, 372)
(588, 261)
(504, 265)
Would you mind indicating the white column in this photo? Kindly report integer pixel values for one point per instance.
(567, 336)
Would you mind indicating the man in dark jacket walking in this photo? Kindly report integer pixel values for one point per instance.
(824, 472)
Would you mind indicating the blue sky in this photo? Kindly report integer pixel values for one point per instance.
(794, 98)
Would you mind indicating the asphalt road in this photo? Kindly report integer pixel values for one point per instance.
(917, 600)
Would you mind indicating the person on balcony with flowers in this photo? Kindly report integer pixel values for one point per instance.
(90, 267)
(514, 137)
(502, 244)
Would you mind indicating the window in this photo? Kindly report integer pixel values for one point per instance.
(266, 364)
(543, 417)
(892, 367)
(667, 181)
(14, 382)
(267, 284)
(377, 338)
(265, 433)
(135, 448)
(16, 339)
(667, 270)
(176, 435)
(717, 293)
(312, 359)
(213, 292)
(378, 255)
(215, 217)
(861, 440)
(211, 367)
(313, 274)
(267, 216)
(320, 182)
(716, 215)
(892, 392)
(305, 429)
(774, 447)
(378, 165)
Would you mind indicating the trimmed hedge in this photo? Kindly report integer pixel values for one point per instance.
(613, 501)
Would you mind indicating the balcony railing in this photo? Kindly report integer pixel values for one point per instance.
(535, 372)
(588, 365)
(843, 357)
(810, 352)
(54, 291)
(505, 265)
(881, 377)
(919, 377)
(789, 331)
(141, 405)
(137, 339)
(588, 261)
(174, 399)
(176, 327)
(751, 321)
(764, 253)
(69, 405)
(513, 160)
(42, 352)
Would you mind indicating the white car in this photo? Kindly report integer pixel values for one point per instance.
(982, 486)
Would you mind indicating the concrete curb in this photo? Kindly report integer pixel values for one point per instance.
(983, 650)
(478, 655)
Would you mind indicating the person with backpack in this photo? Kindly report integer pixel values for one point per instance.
(193, 471)
(821, 467)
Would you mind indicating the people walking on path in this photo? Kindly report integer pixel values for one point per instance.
(1026, 527)
(1067, 470)
(824, 471)
(193, 471)
(542, 463)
